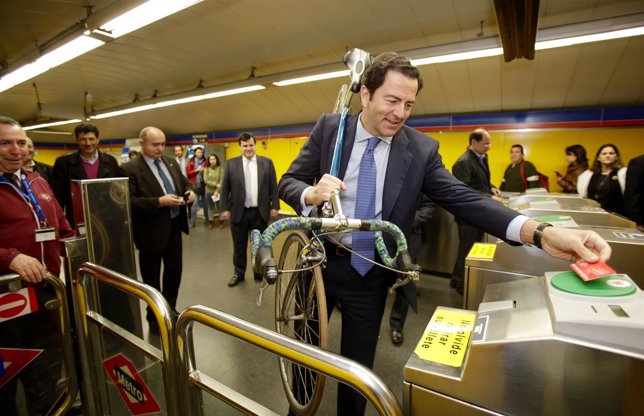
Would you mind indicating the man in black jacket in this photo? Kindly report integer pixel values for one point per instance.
(86, 163)
(472, 168)
(158, 196)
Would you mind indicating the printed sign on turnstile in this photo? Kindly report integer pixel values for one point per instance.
(13, 360)
(18, 303)
(130, 385)
(447, 336)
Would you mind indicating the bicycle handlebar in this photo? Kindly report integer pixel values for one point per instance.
(262, 251)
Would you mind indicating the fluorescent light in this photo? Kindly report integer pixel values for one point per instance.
(69, 51)
(459, 56)
(62, 54)
(177, 101)
(65, 133)
(143, 15)
(311, 78)
(597, 37)
(55, 123)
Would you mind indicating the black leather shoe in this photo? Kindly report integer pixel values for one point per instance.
(397, 337)
(234, 280)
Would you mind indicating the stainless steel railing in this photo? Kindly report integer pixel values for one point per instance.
(332, 365)
(13, 283)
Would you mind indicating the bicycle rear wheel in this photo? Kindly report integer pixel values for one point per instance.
(301, 314)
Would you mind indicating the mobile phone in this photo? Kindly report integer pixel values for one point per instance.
(186, 197)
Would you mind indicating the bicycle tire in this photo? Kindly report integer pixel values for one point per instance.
(301, 314)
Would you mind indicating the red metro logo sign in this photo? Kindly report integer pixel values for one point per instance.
(130, 385)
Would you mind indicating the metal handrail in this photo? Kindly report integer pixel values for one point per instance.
(161, 310)
(332, 365)
(13, 283)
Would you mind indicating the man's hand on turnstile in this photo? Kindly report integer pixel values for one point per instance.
(29, 268)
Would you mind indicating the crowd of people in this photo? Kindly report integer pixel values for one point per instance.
(397, 169)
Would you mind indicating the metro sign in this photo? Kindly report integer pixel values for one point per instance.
(18, 303)
(13, 360)
(130, 385)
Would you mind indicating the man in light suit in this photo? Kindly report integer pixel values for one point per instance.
(473, 169)
(158, 195)
(87, 163)
(408, 164)
(248, 199)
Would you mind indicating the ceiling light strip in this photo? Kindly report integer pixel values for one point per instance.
(168, 103)
(143, 15)
(52, 124)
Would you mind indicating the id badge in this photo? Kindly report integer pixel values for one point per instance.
(45, 234)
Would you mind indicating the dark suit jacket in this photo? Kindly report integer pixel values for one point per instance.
(233, 188)
(43, 170)
(151, 223)
(470, 170)
(634, 192)
(414, 167)
(70, 167)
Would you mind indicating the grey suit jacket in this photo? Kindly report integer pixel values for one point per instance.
(233, 188)
(414, 167)
(151, 223)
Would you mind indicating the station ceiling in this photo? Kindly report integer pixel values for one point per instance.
(221, 43)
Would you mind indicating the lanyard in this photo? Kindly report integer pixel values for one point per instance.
(28, 194)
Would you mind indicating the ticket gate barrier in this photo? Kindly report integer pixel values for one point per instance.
(196, 383)
(128, 375)
(582, 215)
(35, 348)
(551, 198)
(509, 263)
(550, 345)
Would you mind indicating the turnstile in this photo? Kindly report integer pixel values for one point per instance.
(516, 263)
(582, 215)
(544, 199)
(551, 345)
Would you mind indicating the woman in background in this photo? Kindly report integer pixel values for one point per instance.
(577, 164)
(606, 181)
(212, 177)
(195, 170)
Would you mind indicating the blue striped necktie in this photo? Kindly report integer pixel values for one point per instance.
(169, 189)
(363, 241)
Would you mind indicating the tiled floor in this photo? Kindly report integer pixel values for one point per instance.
(252, 371)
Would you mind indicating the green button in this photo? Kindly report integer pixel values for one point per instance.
(607, 286)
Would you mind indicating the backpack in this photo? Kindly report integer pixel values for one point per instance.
(543, 179)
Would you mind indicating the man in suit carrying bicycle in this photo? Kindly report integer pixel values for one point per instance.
(407, 163)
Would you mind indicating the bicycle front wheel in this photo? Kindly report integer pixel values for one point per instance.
(301, 314)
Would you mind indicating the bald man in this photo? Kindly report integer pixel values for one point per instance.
(158, 194)
(30, 164)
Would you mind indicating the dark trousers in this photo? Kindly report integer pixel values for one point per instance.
(467, 236)
(172, 258)
(399, 311)
(250, 220)
(362, 300)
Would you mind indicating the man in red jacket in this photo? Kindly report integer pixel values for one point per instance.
(31, 224)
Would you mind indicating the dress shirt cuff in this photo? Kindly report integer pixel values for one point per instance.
(306, 209)
(513, 233)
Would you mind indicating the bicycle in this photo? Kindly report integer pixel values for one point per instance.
(300, 304)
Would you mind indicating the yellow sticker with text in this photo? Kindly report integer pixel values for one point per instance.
(446, 337)
(482, 251)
